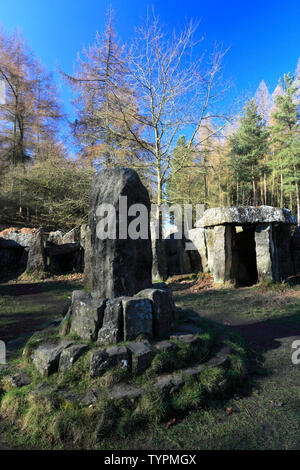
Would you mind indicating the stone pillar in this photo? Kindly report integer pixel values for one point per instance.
(199, 254)
(283, 249)
(159, 263)
(296, 250)
(265, 252)
(221, 256)
(120, 266)
(36, 254)
(85, 242)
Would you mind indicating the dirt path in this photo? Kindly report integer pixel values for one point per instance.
(25, 307)
(266, 415)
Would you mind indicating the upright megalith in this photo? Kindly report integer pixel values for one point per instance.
(265, 252)
(120, 265)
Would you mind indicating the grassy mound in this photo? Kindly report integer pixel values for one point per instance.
(47, 414)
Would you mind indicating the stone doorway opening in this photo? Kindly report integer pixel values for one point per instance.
(244, 267)
(62, 264)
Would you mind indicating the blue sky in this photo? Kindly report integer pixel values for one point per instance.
(263, 36)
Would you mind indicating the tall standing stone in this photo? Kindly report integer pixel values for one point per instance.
(85, 242)
(159, 264)
(119, 267)
(265, 252)
(219, 256)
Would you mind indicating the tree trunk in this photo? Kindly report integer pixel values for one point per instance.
(254, 191)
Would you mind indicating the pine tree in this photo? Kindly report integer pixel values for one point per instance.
(263, 101)
(285, 140)
(297, 80)
(248, 146)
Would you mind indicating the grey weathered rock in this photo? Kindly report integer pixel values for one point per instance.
(296, 250)
(86, 315)
(85, 241)
(46, 357)
(245, 214)
(56, 238)
(222, 254)
(141, 355)
(284, 265)
(137, 315)
(70, 355)
(159, 255)
(42, 387)
(264, 251)
(194, 371)
(197, 242)
(89, 398)
(166, 346)
(169, 383)
(103, 360)
(124, 391)
(112, 328)
(66, 396)
(120, 266)
(18, 380)
(34, 245)
(36, 254)
(165, 287)
(73, 236)
(188, 339)
(175, 254)
(162, 310)
(220, 359)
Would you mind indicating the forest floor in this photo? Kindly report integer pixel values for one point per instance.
(263, 414)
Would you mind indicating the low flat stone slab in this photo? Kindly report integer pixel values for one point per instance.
(169, 383)
(166, 346)
(123, 391)
(194, 371)
(103, 360)
(242, 215)
(141, 354)
(70, 355)
(221, 359)
(189, 339)
(46, 357)
(44, 390)
(18, 380)
(89, 398)
(73, 398)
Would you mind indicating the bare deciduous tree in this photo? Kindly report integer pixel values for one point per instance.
(177, 90)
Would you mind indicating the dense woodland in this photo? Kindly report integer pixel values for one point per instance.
(157, 104)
